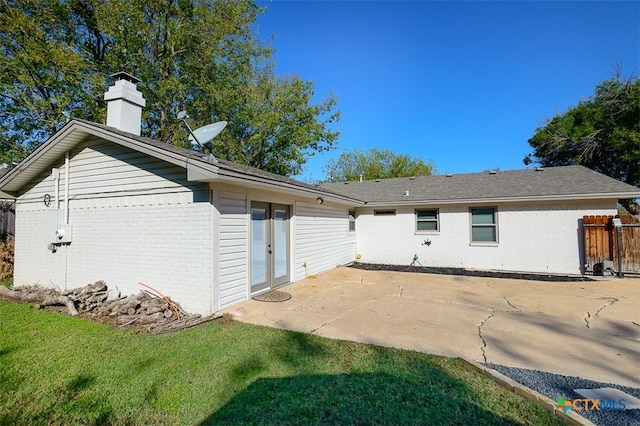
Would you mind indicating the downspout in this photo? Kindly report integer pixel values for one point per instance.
(66, 188)
(56, 188)
(66, 215)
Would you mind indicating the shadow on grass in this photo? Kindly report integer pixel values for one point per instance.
(367, 398)
(72, 398)
(80, 383)
(367, 385)
(5, 351)
(296, 349)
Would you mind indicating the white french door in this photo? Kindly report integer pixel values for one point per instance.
(269, 245)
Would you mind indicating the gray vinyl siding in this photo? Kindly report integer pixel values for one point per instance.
(100, 169)
(131, 223)
(233, 273)
(44, 184)
(322, 239)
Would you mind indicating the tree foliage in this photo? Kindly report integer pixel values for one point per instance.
(193, 55)
(601, 132)
(375, 164)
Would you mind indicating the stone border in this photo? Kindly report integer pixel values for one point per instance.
(545, 402)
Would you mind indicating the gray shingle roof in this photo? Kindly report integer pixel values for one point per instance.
(568, 182)
(554, 183)
(76, 130)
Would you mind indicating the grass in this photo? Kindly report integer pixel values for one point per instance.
(56, 369)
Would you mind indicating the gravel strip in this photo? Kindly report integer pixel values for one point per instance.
(556, 385)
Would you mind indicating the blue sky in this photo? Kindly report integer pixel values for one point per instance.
(465, 84)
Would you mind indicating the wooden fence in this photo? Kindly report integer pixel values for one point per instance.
(601, 242)
(7, 219)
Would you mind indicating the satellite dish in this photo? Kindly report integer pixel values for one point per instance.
(204, 134)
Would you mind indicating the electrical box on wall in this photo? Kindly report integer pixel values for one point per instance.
(58, 234)
(64, 233)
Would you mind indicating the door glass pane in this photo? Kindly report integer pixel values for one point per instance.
(280, 242)
(258, 246)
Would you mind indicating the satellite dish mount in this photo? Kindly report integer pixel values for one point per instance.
(202, 135)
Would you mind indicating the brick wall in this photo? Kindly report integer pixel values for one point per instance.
(164, 242)
(540, 238)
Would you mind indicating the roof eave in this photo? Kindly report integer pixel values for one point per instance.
(62, 141)
(197, 168)
(35, 156)
(230, 176)
(490, 200)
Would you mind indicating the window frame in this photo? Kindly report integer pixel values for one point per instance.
(436, 220)
(351, 216)
(493, 225)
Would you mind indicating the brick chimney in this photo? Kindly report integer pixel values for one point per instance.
(124, 104)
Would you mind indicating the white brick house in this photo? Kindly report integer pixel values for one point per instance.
(95, 202)
(98, 202)
(517, 221)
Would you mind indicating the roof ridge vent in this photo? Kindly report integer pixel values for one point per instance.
(412, 178)
(377, 180)
(448, 175)
(493, 172)
(539, 169)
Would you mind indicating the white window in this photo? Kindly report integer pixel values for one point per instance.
(484, 225)
(352, 220)
(427, 220)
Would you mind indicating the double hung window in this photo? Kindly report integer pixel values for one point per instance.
(484, 225)
(427, 220)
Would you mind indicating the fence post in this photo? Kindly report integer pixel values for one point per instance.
(617, 224)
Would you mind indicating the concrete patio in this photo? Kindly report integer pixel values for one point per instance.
(588, 329)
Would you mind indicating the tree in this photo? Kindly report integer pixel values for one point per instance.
(193, 55)
(602, 133)
(375, 164)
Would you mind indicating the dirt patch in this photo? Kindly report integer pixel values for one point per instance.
(468, 272)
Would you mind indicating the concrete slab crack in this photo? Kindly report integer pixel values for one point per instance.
(511, 304)
(586, 319)
(343, 314)
(611, 301)
(484, 343)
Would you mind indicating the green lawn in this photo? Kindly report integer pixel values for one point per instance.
(56, 369)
